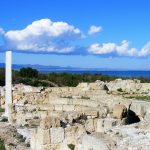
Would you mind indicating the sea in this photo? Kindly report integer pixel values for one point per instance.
(111, 73)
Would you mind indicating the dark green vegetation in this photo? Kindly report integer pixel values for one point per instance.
(2, 146)
(120, 90)
(1, 109)
(71, 146)
(32, 77)
(143, 98)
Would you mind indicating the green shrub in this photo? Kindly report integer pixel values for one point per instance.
(120, 90)
(28, 72)
(71, 146)
(2, 110)
(2, 146)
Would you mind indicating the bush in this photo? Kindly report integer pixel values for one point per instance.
(120, 90)
(1, 109)
(28, 72)
(2, 146)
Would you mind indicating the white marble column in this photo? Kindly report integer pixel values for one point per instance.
(8, 83)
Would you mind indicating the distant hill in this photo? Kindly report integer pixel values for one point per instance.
(43, 68)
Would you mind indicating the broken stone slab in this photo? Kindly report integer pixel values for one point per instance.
(105, 124)
(119, 111)
(89, 125)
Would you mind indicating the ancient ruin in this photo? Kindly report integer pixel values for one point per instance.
(90, 116)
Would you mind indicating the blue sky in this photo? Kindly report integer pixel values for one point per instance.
(120, 37)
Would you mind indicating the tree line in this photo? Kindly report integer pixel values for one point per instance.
(33, 77)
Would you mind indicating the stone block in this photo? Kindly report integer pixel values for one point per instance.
(49, 122)
(80, 131)
(91, 142)
(57, 135)
(109, 123)
(77, 102)
(43, 114)
(68, 108)
(90, 103)
(119, 111)
(100, 125)
(46, 107)
(59, 101)
(43, 136)
(58, 108)
(91, 113)
(89, 125)
(70, 134)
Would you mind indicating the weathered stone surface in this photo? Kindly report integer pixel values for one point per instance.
(80, 110)
(89, 125)
(68, 107)
(49, 122)
(80, 131)
(39, 138)
(93, 143)
(100, 125)
(58, 107)
(70, 134)
(119, 111)
(57, 135)
(124, 85)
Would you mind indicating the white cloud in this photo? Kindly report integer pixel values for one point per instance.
(145, 51)
(102, 49)
(94, 29)
(108, 48)
(44, 36)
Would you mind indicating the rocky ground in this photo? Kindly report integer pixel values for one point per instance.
(97, 116)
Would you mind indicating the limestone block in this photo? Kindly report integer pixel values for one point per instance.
(39, 138)
(70, 134)
(59, 101)
(77, 101)
(89, 125)
(90, 103)
(83, 86)
(100, 125)
(43, 136)
(57, 135)
(109, 123)
(91, 113)
(58, 107)
(78, 108)
(140, 108)
(49, 122)
(93, 143)
(68, 107)
(119, 111)
(43, 114)
(80, 131)
(46, 107)
(56, 114)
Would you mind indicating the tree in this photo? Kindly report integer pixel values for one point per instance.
(28, 73)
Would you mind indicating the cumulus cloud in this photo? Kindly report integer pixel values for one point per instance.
(145, 51)
(94, 29)
(108, 48)
(43, 35)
